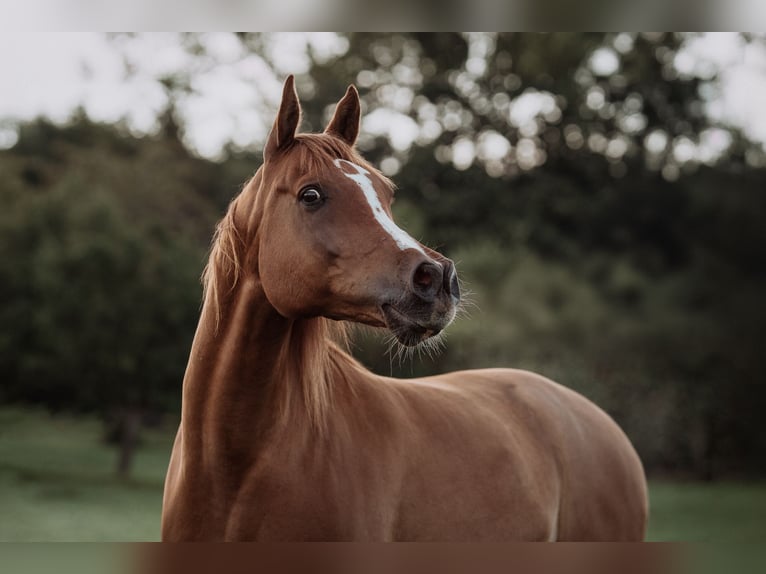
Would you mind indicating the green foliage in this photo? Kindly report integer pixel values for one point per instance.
(103, 241)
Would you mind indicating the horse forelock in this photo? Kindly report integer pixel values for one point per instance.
(316, 154)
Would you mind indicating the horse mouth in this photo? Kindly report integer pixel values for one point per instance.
(407, 331)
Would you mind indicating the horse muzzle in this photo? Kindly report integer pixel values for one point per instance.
(428, 305)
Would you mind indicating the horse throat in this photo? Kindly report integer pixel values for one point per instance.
(252, 375)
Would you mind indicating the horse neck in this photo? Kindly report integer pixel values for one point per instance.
(253, 373)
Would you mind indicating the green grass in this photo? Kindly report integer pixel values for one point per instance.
(707, 512)
(57, 483)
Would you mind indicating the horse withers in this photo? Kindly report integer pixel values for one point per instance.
(284, 436)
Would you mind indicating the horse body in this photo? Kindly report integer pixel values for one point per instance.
(284, 436)
(493, 454)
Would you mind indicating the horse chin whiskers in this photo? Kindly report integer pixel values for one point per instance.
(431, 347)
(407, 336)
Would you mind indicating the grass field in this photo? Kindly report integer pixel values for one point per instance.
(57, 483)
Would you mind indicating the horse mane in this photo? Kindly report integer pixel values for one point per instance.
(318, 349)
(224, 265)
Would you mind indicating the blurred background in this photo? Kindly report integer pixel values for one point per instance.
(603, 195)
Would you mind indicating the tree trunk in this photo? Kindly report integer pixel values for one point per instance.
(709, 449)
(129, 428)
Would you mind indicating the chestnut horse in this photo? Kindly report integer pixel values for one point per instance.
(284, 436)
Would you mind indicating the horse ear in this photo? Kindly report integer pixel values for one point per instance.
(289, 116)
(345, 122)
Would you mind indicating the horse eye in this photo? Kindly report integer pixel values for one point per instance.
(311, 197)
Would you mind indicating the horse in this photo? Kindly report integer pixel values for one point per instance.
(285, 437)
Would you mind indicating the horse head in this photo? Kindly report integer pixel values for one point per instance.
(327, 243)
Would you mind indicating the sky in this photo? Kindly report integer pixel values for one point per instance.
(236, 93)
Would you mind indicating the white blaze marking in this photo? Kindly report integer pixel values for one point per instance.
(403, 241)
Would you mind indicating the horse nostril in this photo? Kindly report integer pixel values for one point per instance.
(427, 280)
(422, 278)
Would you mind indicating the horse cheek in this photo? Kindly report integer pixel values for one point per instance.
(289, 282)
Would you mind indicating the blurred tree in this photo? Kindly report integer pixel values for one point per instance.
(103, 240)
